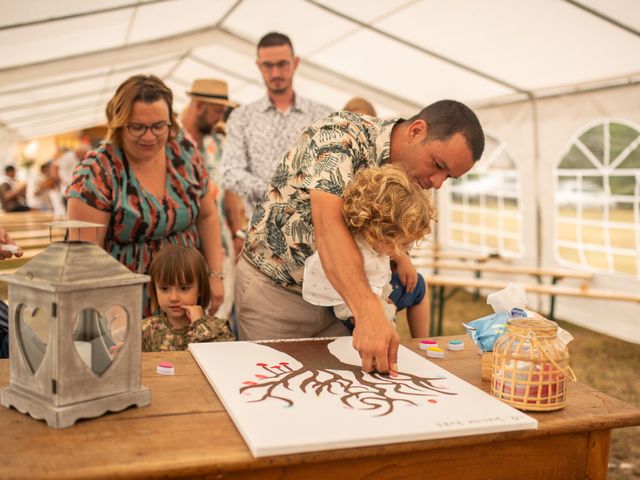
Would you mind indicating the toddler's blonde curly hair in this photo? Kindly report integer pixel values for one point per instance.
(383, 205)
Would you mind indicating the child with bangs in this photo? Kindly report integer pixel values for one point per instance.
(386, 213)
(179, 288)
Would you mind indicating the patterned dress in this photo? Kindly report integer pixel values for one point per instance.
(158, 335)
(140, 222)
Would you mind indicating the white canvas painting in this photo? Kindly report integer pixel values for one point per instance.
(299, 396)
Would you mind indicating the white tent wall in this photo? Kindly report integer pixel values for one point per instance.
(536, 135)
(61, 60)
(559, 118)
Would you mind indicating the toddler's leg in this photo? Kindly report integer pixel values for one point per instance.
(418, 317)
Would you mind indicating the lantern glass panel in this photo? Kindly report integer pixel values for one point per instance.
(98, 338)
(33, 334)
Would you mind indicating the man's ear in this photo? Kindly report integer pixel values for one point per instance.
(417, 130)
(296, 61)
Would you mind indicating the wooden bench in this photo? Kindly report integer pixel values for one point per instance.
(437, 254)
(437, 283)
(555, 274)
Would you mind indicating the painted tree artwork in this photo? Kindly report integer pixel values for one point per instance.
(297, 396)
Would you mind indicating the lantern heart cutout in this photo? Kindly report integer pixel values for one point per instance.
(33, 334)
(99, 338)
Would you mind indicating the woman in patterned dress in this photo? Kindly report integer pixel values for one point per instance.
(147, 184)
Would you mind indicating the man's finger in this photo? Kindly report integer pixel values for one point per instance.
(393, 356)
(382, 363)
(368, 364)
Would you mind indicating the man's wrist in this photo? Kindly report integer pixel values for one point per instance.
(215, 274)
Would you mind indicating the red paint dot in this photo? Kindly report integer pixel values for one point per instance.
(249, 383)
(276, 366)
(284, 363)
(431, 400)
(261, 364)
(260, 376)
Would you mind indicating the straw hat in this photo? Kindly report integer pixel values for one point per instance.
(211, 91)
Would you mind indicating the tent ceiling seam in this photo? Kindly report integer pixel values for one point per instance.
(80, 15)
(224, 70)
(80, 78)
(604, 17)
(341, 76)
(148, 43)
(420, 49)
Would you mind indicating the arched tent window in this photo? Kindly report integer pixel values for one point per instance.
(597, 199)
(485, 207)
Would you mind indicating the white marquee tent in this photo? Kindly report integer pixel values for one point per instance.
(555, 83)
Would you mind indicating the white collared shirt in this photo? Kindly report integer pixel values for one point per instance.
(258, 135)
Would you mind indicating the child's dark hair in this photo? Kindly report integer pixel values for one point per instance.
(178, 264)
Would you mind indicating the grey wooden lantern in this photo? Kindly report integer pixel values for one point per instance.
(75, 334)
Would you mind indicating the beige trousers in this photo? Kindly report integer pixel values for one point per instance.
(265, 311)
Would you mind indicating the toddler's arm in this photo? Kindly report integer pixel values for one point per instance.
(406, 271)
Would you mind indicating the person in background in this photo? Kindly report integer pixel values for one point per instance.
(12, 194)
(361, 106)
(259, 133)
(179, 290)
(43, 192)
(9, 251)
(147, 184)
(386, 213)
(302, 213)
(209, 102)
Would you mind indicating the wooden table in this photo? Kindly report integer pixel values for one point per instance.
(186, 432)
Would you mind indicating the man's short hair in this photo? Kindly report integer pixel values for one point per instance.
(448, 117)
(275, 39)
(9, 168)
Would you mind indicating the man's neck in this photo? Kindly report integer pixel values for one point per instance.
(197, 137)
(282, 101)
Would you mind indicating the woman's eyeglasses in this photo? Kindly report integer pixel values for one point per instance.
(139, 129)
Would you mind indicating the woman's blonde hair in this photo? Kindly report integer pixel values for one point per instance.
(383, 205)
(139, 88)
(179, 265)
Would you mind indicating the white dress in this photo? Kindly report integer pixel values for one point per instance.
(317, 290)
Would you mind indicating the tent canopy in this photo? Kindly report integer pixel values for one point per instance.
(61, 60)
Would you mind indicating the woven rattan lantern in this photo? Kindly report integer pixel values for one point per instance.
(75, 334)
(531, 366)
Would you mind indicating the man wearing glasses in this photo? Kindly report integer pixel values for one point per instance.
(259, 133)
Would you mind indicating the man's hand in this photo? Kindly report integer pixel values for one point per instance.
(376, 340)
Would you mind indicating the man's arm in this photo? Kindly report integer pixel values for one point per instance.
(236, 174)
(234, 213)
(374, 337)
(208, 225)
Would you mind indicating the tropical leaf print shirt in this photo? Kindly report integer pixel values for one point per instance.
(140, 222)
(326, 157)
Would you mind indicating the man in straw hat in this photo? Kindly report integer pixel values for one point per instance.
(209, 103)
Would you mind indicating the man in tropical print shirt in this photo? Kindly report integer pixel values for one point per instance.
(302, 212)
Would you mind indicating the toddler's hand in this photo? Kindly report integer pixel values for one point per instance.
(406, 272)
(194, 312)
